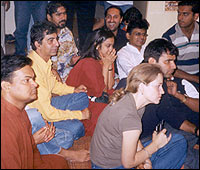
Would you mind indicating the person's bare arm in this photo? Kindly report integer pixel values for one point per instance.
(182, 74)
(188, 127)
(192, 103)
(108, 69)
(131, 157)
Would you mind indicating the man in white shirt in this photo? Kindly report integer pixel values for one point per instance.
(132, 54)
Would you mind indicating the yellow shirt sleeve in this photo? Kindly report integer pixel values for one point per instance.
(50, 113)
(47, 84)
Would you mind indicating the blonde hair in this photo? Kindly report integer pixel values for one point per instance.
(142, 73)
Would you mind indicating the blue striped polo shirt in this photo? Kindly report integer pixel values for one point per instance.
(188, 59)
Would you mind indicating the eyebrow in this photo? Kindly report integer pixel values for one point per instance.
(29, 77)
(50, 38)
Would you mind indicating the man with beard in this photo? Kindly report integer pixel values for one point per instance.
(113, 19)
(67, 52)
(185, 35)
(180, 111)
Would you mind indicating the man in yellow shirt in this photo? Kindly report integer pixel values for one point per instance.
(69, 106)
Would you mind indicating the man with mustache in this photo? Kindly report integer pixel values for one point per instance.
(67, 52)
(67, 108)
(132, 54)
(185, 35)
(179, 111)
(18, 88)
(113, 19)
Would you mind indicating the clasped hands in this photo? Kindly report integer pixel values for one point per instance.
(45, 134)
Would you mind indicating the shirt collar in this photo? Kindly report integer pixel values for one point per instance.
(179, 31)
(135, 49)
(44, 66)
(12, 108)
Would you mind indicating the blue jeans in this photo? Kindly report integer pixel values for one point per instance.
(171, 156)
(85, 11)
(67, 130)
(23, 12)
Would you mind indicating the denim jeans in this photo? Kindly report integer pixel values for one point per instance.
(171, 156)
(23, 12)
(66, 130)
(85, 11)
(74, 101)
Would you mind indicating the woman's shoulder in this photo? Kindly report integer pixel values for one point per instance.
(89, 62)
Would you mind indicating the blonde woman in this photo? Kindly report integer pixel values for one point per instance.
(115, 143)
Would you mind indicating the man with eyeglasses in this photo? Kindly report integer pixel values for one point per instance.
(132, 54)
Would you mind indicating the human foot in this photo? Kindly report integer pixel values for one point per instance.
(75, 156)
(79, 156)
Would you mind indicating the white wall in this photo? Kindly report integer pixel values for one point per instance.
(159, 19)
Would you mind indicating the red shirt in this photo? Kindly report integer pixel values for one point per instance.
(88, 72)
(18, 149)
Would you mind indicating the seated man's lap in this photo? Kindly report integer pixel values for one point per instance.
(66, 132)
(74, 101)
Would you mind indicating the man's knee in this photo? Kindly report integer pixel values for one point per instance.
(78, 129)
(36, 119)
(179, 139)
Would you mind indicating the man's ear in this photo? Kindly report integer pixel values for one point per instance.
(128, 36)
(97, 47)
(49, 17)
(141, 88)
(37, 45)
(152, 60)
(121, 20)
(196, 16)
(5, 86)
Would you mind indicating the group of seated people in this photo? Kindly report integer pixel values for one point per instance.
(116, 90)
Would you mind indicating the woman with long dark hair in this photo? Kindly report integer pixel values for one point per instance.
(95, 70)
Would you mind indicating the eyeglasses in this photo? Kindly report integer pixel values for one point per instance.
(138, 34)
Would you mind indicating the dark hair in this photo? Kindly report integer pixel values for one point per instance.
(132, 14)
(11, 63)
(53, 6)
(39, 30)
(116, 7)
(99, 36)
(141, 24)
(194, 4)
(157, 47)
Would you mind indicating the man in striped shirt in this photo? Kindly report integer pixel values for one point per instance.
(185, 35)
